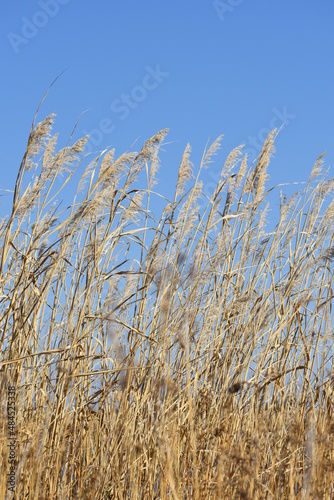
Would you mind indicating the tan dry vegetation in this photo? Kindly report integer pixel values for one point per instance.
(184, 357)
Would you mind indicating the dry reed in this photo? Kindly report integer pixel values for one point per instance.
(188, 356)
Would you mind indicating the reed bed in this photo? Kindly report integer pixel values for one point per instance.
(187, 355)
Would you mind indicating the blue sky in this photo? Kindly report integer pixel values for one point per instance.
(201, 69)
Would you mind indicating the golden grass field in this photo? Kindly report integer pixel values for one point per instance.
(185, 356)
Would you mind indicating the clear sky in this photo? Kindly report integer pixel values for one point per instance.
(201, 69)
